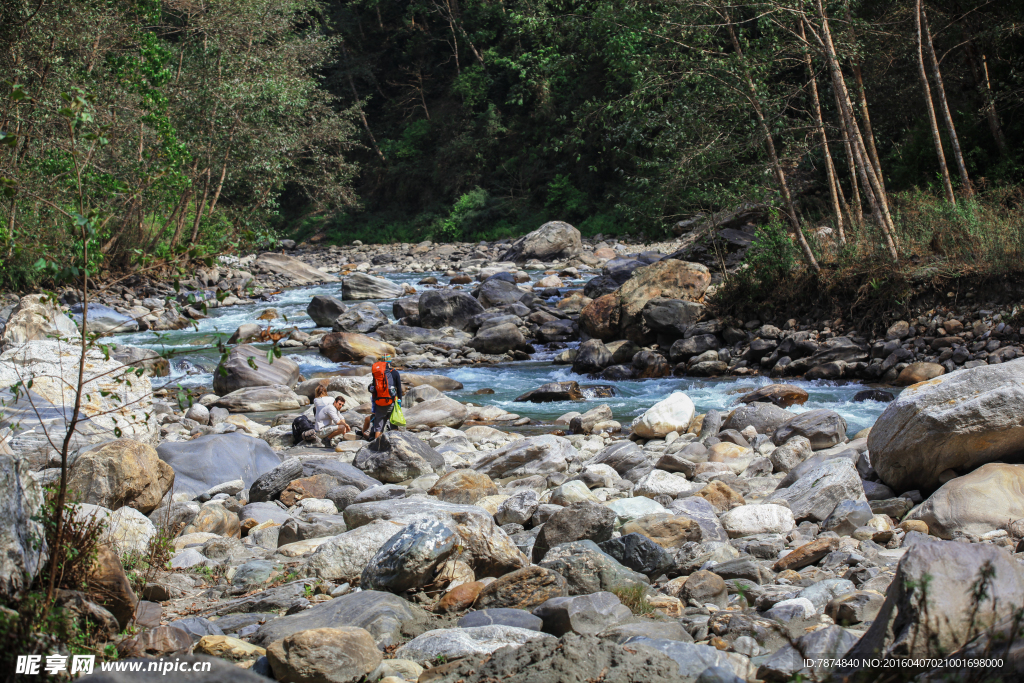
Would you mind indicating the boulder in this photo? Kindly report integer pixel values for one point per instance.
(918, 372)
(765, 418)
(410, 558)
(569, 658)
(343, 557)
(464, 487)
(782, 395)
(582, 614)
(36, 317)
(349, 347)
(485, 546)
(357, 286)
(151, 362)
(121, 473)
(324, 310)
(601, 317)
(958, 421)
(448, 308)
(671, 317)
(666, 279)
(495, 292)
(360, 318)
(452, 643)
(588, 570)
(498, 339)
(553, 391)
(297, 272)
(236, 372)
(639, 553)
(977, 503)
(21, 500)
(815, 495)
(543, 454)
(103, 320)
(667, 530)
(522, 589)
(555, 240)
(383, 615)
(749, 520)
(436, 412)
(705, 516)
(401, 457)
(672, 414)
(823, 428)
(931, 609)
(272, 398)
(206, 461)
(584, 520)
(114, 398)
(591, 356)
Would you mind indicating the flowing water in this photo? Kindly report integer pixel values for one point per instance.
(195, 357)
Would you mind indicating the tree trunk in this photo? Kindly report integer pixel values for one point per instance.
(940, 89)
(780, 175)
(830, 170)
(862, 102)
(984, 86)
(947, 185)
(866, 171)
(200, 205)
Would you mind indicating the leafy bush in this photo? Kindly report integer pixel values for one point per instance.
(565, 200)
(769, 259)
(465, 211)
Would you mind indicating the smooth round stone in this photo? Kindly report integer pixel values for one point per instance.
(502, 616)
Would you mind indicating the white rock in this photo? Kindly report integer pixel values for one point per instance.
(570, 492)
(344, 556)
(318, 505)
(659, 482)
(807, 605)
(628, 509)
(129, 530)
(453, 643)
(670, 415)
(748, 520)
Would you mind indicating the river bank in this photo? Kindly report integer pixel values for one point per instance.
(557, 499)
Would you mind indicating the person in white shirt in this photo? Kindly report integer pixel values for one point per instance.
(328, 420)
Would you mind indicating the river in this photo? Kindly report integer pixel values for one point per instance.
(196, 356)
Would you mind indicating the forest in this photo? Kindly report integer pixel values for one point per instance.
(172, 130)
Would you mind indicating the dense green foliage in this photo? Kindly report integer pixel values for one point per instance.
(403, 120)
(192, 119)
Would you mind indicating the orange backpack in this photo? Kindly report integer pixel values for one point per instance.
(383, 383)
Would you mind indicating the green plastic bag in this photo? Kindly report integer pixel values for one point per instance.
(397, 416)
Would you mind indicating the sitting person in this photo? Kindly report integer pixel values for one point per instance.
(329, 422)
(385, 390)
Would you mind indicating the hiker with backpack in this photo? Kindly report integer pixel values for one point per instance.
(328, 420)
(385, 392)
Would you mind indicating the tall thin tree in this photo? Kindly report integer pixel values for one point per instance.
(933, 123)
(940, 90)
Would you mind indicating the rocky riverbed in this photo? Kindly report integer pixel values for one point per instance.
(604, 510)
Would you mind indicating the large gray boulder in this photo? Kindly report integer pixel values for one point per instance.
(324, 310)
(954, 422)
(440, 411)
(21, 498)
(763, 417)
(36, 317)
(978, 502)
(409, 559)
(292, 269)
(816, 494)
(448, 308)
(205, 462)
(823, 428)
(533, 455)
(552, 241)
(931, 607)
(582, 521)
(237, 373)
(275, 397)
(384, 615)
(498, 339)
(359, 286)
(485, 546)
(104, 320)
(400, 457)
(362, 318)
(498, 292)
(587, 570)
